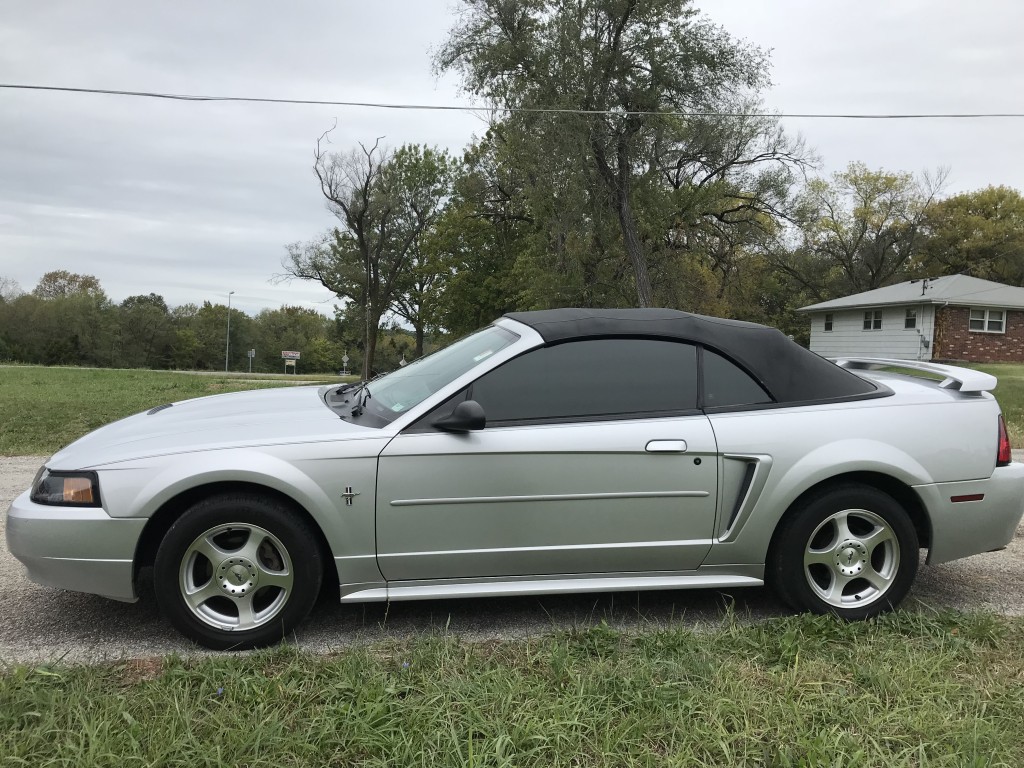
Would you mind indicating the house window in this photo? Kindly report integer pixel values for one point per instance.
(873, 320)
(828, 321)
(988, 320)
(910, 321)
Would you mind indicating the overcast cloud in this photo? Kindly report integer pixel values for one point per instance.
(192, 200)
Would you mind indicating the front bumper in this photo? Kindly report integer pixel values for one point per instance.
(964, 528)
(76, 548)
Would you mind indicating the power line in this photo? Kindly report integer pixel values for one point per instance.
(466, 108)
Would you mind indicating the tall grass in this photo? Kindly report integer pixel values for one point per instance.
(909, 689)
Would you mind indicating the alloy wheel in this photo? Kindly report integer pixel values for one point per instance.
(852, 558)
(236, 576)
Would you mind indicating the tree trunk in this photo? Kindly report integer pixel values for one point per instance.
(617, 185)
(419, 341)
(635, 250)
(370, 350)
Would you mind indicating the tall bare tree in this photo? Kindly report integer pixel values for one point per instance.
(9, 288)
(384, 201)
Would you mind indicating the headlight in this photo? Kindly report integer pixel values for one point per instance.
(66, 489)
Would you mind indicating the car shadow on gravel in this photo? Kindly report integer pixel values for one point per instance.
(79, 627)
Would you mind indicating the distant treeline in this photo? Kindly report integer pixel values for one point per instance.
(69, 320)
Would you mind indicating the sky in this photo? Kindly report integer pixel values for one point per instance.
(194, 200)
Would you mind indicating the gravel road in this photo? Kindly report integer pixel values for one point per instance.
(42, 624)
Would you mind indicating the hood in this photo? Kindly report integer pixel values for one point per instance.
(233, 420)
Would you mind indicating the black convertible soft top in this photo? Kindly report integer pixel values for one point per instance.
(790, 373)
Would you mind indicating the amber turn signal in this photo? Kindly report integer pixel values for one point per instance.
(78, 490)
(71, 489)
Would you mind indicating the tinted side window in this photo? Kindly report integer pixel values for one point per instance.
(600, 377)
(725, 383)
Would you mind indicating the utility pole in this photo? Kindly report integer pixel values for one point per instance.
(227, 344)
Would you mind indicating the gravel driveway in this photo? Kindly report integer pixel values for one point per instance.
(41, 624)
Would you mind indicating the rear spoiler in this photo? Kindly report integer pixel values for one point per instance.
(962, 379)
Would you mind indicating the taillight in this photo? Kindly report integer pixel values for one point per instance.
(1005, 456)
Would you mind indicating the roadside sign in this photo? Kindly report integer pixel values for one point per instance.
(252, 353)
(286, 355)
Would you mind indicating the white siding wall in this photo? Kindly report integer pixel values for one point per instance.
(848, 336)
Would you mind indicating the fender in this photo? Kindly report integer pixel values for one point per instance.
(833, 459)
(349, 529)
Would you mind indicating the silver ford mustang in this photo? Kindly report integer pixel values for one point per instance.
(566, 450)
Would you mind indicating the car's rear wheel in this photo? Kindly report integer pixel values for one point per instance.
(851, 551)
(238, 571)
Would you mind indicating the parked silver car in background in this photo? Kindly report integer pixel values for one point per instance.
(556, 451)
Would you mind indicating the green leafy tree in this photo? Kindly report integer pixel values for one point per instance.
(185, 348)
(10, 291)
(862, 230)
(396, 346)
(482, 240)
(201, 337)
(977, 233)
(618, 68)
(384, 202)
(422, 178)
(146, 333)
(68, 321)
(61, 284)
(296, 328)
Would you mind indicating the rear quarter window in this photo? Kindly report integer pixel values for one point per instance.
(726, 384)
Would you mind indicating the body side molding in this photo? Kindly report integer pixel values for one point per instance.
(549, 586)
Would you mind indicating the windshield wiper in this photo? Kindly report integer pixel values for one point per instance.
(346, 393)
(362, 394)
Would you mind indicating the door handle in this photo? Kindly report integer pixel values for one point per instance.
(666, 446)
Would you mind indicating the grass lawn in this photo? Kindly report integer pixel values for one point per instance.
(44, 409)
(1010, 394)
(909, 689)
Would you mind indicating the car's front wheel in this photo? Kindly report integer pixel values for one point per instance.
(851, 551)
(237, 571)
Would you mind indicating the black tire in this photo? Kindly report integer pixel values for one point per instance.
(851, 551)
(239, 553)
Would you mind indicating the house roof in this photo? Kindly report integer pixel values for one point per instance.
(789, 372)
(962, 290)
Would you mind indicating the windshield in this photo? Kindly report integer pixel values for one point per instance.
(389, 397)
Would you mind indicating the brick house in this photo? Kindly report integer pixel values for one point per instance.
(956, 317)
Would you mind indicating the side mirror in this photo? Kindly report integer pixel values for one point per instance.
(468, 416)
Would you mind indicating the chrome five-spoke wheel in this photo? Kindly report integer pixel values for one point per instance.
(238, 570)
(850, 550)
